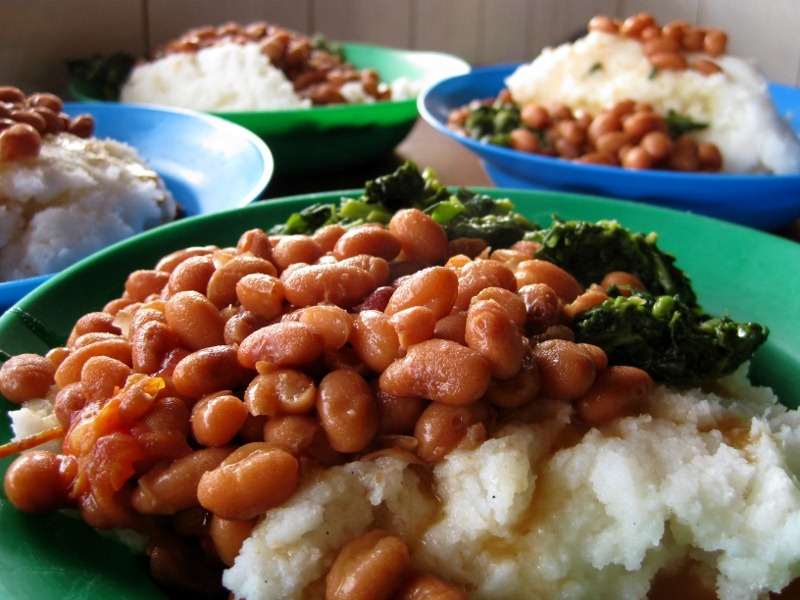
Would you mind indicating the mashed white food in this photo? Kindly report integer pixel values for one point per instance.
(78, 196)
(225, 77)
(706, 481)
(601, 68)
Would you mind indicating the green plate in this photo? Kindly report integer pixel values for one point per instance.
(329, 138)
(747, 273)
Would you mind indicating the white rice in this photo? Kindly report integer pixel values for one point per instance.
(602, 68)
(520, 518)
(78, 196)
(225, 77)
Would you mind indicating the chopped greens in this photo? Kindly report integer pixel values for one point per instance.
(106, 74)
(462, 213)
(590, 250)
(678, 124)
(663, 331)
(668, 338)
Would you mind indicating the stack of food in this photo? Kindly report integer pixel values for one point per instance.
(254, 67)
(65, 193)
(413, 393)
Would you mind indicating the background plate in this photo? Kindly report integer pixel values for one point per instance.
(749, 274)
(760, 201)
(208, 163)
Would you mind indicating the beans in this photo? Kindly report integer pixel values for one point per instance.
(26, 377)
(373, 240)
(39, 481)
(216, 419)
(228, 535)
(293, 249)
(172, 486)
(70, 369)
(419, 235)
(617, 391)
(252, 479)
(520, 389)
(491, 332)
(442, 428)
(369, 567)
(101, 375)
(344, 285)
(439, 370)
(334, 324)
(540, 271)
(479, 274)
(195, 320)
(435, 288)
(278, 390)
(375, 339)
(150, 345)
(542, 306)
(261, 294)
(413, 325)
(287, 344)
(347, 410)
(567, 371)
(222, 286)
(207, 371)
(19, 141)
(421, 585)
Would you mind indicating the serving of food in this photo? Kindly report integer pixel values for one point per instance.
(416, 392)
(65, 193)
(358, 99)
(665, 102)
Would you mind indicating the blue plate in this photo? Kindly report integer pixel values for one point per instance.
(208, 163)
(759, 201)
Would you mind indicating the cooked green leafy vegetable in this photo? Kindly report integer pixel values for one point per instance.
(678, 124)
(462, 213)
(591, 250)
(106, 74)
(663, 330)
(668, 338)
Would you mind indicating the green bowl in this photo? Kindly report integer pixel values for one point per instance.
(326, 139)
(749, 274)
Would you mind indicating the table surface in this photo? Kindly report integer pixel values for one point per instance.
(454, 166)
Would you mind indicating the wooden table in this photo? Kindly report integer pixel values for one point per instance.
(454, 165)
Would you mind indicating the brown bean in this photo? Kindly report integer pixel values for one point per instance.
(217, 418)
(101, 376)
(413, 325)
(222, 286)
(334, 283)
(715, 42)
(70, 369)
(634, 25)
(207, 371)
(170, 487)
(291, 249)
(82, 125)
(375, 339)
(327, 235)
(435, 288)
(491, 332)
(452, 327)
(294, 433)
(612, 142)
(261, 294)
(228, 535)
(438, 370)
(617, 391)
(603, 23)
(605, 122)
(657, 144)
(334, 324)
(26, 377)
(369, 567)
(567, 370)
(374, 265)
(709, 156)
(169, 262)
(396, 414)
(287, 344)
(39, 481)
(510, 301)
(588, 299)
(542, 306)
(421, 585)
(541, 271)
(441, 429)
(636, 157)
(520, 389)
(252, 479)
(276, 390)
(642, 122)
(195, 320)
(371, 239)
(144, 283)
(347, 410)
(242, 324)
(256, 243)
(622, 279)
(19, 141)
(192, 274)
(419, 235)
(535, 116)
(673, 61)
(523, 140)
(91, 322)
(479, 274)
(706, 67)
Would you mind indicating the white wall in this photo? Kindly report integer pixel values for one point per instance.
(37, 36)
